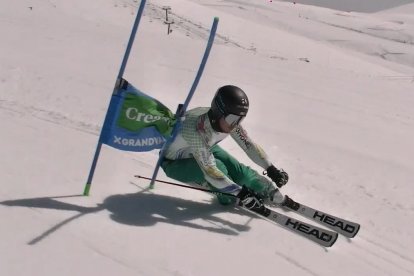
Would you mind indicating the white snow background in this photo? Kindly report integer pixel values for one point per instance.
(332, 102)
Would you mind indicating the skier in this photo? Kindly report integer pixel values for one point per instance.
(195, 158)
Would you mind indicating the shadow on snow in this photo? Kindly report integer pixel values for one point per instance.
(143, 210)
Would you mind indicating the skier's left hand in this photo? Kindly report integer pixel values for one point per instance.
(280, 177)
(249, 199)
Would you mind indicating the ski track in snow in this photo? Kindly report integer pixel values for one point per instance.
(111, 257)
(49, 116)
(383, 255)
(195, 30)
(395, 34)
(390, 250)
(297, 264)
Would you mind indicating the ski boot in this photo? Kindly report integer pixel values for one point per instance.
(290, 203)
(277, 199)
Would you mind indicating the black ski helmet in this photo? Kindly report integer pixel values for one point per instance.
(229, 102)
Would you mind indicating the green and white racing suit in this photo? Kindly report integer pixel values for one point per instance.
(195, 157)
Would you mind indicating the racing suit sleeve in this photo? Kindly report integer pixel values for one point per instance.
(253, 150)
(212, 174)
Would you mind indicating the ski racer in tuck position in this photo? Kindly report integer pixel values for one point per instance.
(195, 158)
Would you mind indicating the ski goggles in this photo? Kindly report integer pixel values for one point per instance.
(233, 120)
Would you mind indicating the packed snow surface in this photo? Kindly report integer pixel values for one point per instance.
(332, 95)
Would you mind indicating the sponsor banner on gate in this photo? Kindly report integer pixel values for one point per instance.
(136, 121)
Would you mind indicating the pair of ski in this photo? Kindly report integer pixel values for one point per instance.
(312, 232)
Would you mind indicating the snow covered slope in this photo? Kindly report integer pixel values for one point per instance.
(331, 103)
(355, 5)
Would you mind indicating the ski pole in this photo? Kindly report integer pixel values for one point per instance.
(186, 186)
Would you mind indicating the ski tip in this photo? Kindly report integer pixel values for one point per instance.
(334, 240)
(356, 231)
(216, 18)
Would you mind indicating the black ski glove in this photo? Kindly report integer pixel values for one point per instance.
(280, 177)
(249, 199)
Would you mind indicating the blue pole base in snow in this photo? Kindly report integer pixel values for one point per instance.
(87, 189)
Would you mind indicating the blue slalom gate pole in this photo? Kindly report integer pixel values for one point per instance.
(130, 42)
(118, 81)
(183, 107)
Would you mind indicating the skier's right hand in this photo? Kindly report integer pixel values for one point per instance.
(249, 199)
(279, 176)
